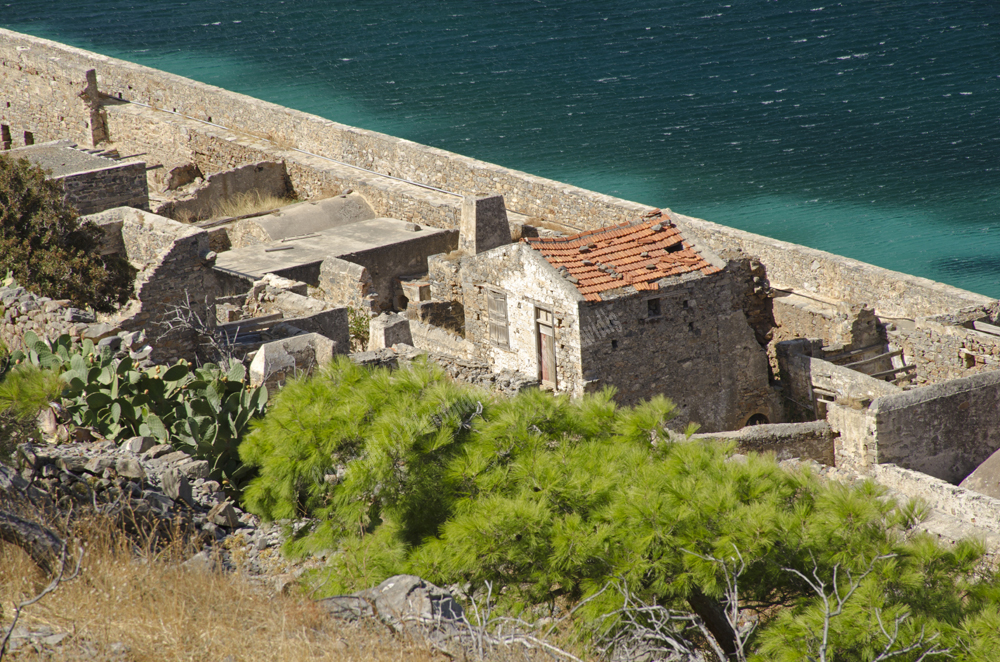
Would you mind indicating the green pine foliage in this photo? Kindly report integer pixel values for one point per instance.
(47, 250)
(562, 501)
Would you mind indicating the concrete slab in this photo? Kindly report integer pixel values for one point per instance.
(61, 158)
(292, 253)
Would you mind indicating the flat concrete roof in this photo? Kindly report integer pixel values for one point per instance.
(300, 251)
(308, 217)
(61, 158)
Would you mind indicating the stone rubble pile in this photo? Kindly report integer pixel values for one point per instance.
(154, 489)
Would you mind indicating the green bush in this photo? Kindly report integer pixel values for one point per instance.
(47, 250)
(203, 411)
(558, 500)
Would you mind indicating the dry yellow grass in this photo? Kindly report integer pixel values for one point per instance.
(250, 202)
(143, 606)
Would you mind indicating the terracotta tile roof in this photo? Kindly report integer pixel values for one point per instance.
(605, 262)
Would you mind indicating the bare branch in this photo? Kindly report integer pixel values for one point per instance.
(53, 585)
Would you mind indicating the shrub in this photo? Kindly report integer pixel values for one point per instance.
(203, 410)
(47, 250)
(558, 501)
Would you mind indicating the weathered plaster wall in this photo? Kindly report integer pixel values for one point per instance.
(699, 351)
(529, 282)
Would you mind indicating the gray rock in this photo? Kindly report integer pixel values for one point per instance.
(195, 469)
(140, 445)
(405, 602)
(99, 331)
(97, 465)
(73, 465)
(158, 503)
(986, 478)
(175, 457)
(176, 486)
(130, 468)
(223, 514)
(114, 343)
(202, 562)
(158, 451)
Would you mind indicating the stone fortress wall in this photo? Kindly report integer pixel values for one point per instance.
(51, 91)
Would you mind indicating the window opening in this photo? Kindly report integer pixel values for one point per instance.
(497, 304)
(652, 308)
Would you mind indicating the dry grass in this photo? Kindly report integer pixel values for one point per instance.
(250, 202)
(129, 605)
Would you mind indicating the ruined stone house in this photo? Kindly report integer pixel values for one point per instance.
(636, 306)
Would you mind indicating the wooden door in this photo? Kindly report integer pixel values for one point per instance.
(546, 347)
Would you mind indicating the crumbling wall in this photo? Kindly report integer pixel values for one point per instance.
(344, 283)
(942, 350)
(200, 200)
(174, 262)
(697, 349)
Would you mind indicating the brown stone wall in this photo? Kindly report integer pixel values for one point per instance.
(945, 351)
(699, 351)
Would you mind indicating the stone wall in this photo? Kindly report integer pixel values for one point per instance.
(22, 311)
(966, 505)
(386, 264)
(809, 441)
(699, 351)
(199, 200)
(529, 282)
(31, 61)
(344, 283)
(41, 93)
(890, 293)
(944, 430)
(174, 263)
(943, 351)
(97, 190)
(811, 382)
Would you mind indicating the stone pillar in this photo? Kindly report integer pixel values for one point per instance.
(484, 224)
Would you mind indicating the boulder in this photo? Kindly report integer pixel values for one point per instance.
(409, 603)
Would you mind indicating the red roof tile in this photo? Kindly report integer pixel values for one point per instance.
(626, 250)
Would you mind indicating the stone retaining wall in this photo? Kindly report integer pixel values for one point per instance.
(32, 62)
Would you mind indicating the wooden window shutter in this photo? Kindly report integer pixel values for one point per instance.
(497, 302)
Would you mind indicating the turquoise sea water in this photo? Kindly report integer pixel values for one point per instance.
(867, 128)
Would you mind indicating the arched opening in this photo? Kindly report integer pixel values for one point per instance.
(757, 419)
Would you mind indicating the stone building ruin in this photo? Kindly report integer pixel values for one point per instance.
(882, 374)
